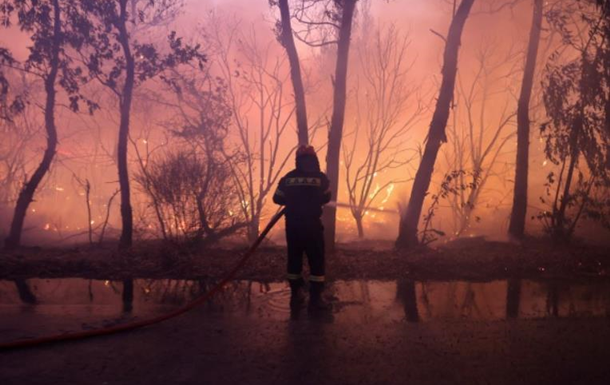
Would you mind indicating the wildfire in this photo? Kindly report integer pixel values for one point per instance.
(389, 191)
(375, 191)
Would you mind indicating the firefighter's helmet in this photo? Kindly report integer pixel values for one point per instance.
(306, 159)
(305, 150)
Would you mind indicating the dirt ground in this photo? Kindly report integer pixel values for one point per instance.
(470, 259)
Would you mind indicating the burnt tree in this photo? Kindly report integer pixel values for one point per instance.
(287, 40)
(407, 236)
(335, 132)
(517, 219)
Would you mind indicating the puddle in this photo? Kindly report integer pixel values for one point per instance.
(75, 304)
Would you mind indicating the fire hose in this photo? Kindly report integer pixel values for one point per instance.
(154, 320)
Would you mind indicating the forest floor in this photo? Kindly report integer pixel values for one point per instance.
(473, 259)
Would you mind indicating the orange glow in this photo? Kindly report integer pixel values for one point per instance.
(87, 149)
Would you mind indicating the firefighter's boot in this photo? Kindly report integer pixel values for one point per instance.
(297, 297)
(316, 300)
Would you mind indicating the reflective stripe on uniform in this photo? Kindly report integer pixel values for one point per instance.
(304, 181)
(293, 277)
(316, 278)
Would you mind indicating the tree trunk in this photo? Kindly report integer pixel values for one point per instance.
(559, 233)
(26, 196)
(89, 216)
(472, 199)
(607, 113)
(559, 215)
(464, 221)
(360, 227)
(253, 227)
(295, 72)
(407, 236)
(125, 105)
(516, 227)
(336, 126)
(606, 64)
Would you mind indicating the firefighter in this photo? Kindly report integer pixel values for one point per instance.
(304, 191)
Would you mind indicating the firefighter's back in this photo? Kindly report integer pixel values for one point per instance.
(304, 193)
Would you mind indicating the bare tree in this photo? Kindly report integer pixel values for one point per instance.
(144, 179)
(195, 201)
(517, 218)
(409, 222)
(85, 184)
(477, 139)
(256, 83)
(388, 110)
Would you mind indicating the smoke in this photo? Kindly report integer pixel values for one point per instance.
(87, 150)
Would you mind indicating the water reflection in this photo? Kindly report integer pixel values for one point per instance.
(25, 294)
(513, 297)
(354, 301)
(127, 295)
(461, 300)
(406, 294)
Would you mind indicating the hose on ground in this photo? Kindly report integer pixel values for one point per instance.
(154, 320)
